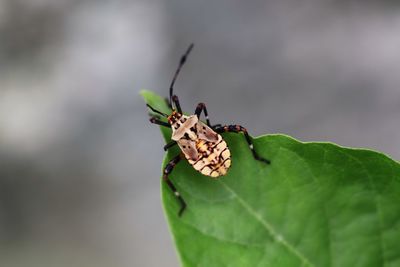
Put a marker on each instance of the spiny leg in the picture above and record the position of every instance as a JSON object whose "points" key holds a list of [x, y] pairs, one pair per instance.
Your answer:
{"points": [[169, 145], [181, 63], [202, 107], [240, 129], [168, 169], [156, 121]]}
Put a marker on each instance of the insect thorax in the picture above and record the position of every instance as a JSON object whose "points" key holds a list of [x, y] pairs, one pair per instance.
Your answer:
{"points": [[182, 127]]}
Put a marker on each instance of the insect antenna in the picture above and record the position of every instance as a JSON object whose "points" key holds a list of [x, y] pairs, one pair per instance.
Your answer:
{"points": [[181, 63], [156, 111]]}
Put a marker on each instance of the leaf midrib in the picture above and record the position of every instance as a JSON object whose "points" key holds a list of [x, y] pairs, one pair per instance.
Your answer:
{"points": [[279, 238]]}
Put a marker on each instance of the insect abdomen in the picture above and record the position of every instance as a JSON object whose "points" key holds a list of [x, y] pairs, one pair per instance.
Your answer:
{"points": [[214, 158]]}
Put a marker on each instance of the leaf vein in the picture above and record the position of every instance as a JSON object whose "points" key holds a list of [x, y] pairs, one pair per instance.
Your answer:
{"points": [[278, 237], [225, 240], [377, 204]]}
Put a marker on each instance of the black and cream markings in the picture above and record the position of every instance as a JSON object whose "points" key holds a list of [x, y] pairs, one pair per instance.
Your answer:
{"points": [[201, 143]]}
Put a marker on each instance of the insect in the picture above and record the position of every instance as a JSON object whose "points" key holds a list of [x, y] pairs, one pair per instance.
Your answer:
{"points": [[201, 144]]}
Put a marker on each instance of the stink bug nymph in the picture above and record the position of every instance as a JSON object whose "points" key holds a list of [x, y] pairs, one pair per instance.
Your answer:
{"points": [[201, 144]]}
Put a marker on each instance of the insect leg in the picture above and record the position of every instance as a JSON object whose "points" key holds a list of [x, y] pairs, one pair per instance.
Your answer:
{"points": [[169, 145], [167, 171], [175, 100], [156, 121], [240, 129], [202, 107], [156, 111], [181, 63]]}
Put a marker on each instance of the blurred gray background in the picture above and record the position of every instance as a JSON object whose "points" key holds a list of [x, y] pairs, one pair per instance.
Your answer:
{"points": [[79, 160]]}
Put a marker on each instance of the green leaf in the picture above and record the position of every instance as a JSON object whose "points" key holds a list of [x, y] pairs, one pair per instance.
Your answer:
{"points": [[317, 204]]}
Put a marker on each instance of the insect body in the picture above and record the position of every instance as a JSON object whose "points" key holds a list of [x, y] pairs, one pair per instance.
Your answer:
{"points": [[201, 144], [204, 149]]}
